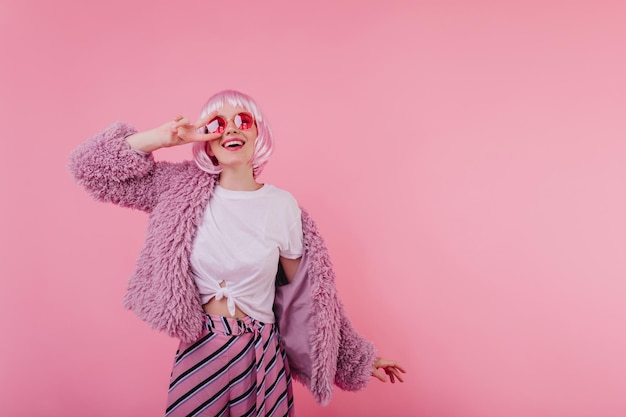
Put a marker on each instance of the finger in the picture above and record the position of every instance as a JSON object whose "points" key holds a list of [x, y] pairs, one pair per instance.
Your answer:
{"points": [[379, 375], [178, 117], [389, 363], [183, 121], [206, 119], [196, 135], [392, 372], [205, 137], [400, 368], [395, 372]]}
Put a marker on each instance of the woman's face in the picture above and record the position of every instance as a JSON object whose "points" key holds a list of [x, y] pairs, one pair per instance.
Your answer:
{"points": [[236, 146]]}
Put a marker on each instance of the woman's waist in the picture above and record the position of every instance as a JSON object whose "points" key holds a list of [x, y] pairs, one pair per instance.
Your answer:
{"points": [[260, 311], [235, 326], [220, 308]]}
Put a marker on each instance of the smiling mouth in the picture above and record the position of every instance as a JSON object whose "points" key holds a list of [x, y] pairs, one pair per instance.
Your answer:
{"points": [[233, 144]]}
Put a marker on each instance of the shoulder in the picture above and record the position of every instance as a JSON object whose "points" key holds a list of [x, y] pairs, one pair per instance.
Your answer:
{"points": [[281, 196]]}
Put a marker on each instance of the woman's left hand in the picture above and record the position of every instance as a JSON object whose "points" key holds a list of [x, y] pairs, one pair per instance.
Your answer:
{"points": [[391, 368]]}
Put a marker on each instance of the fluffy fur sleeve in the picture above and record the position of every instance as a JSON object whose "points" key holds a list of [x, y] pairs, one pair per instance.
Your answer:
{"points": [[355, 358], [112, 172]]}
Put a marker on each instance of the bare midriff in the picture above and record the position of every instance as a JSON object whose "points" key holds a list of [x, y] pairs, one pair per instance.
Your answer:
{"points": [[219, 308]]}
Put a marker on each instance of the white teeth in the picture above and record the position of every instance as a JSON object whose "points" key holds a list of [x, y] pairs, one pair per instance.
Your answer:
{"points": [[234, 143]]}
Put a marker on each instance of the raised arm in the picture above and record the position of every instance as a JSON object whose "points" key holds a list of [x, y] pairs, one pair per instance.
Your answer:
{"points": [[116, 164]]}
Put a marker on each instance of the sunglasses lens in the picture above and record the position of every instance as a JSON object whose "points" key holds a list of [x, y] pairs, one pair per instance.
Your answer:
{"points": [[244, 121], [216, 125]]}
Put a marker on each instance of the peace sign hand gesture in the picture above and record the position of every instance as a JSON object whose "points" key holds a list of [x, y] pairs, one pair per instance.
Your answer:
{"points": [[180, 131]]}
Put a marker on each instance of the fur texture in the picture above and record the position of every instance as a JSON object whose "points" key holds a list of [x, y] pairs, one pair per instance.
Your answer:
{"points": [[161, 290]]}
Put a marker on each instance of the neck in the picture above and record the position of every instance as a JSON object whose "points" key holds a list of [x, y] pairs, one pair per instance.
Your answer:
{"points": [[238, 179]]}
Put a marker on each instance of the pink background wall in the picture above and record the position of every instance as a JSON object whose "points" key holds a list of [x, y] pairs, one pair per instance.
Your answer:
{"points": [[472, 192]]}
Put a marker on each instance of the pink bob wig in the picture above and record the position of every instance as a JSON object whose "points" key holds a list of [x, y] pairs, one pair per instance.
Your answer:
{"points": [[263, 145]]}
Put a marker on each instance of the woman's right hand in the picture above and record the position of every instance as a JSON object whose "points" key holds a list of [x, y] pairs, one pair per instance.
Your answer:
{"points": [[391, 368], [180, 131]]}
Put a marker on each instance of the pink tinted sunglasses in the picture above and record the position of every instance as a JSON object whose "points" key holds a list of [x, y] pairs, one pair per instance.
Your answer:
{"points": [[242, 121]]}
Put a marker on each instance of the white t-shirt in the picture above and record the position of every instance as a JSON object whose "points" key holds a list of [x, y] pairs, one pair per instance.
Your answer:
{"points": [[239, 241]]}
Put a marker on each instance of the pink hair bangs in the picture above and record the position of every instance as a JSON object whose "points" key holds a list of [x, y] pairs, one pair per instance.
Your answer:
{"points": [[263, 146]]}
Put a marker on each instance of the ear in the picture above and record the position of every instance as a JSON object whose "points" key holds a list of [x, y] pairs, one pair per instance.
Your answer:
{"points": [[211, 155]]}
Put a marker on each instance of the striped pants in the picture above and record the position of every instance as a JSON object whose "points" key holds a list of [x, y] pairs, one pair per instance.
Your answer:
{"points": [[236, 368]]}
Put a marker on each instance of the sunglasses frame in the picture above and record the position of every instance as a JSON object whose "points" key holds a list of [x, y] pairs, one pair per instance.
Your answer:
{"points": [[226, 121]]}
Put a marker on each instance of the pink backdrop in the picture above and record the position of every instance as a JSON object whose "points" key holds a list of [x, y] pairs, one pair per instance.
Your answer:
{"points": [[464, 160]]}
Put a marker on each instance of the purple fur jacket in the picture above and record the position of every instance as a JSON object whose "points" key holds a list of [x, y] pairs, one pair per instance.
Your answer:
{"points": [[321, 344]]}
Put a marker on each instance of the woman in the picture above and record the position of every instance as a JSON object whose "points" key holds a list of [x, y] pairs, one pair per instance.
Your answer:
{"points": [[227, 261]]}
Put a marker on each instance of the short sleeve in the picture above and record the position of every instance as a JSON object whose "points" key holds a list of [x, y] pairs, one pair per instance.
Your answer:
{"points": [[292, 246]]}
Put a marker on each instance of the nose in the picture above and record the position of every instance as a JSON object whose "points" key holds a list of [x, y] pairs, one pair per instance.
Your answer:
{"points": [[230, 127]]}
